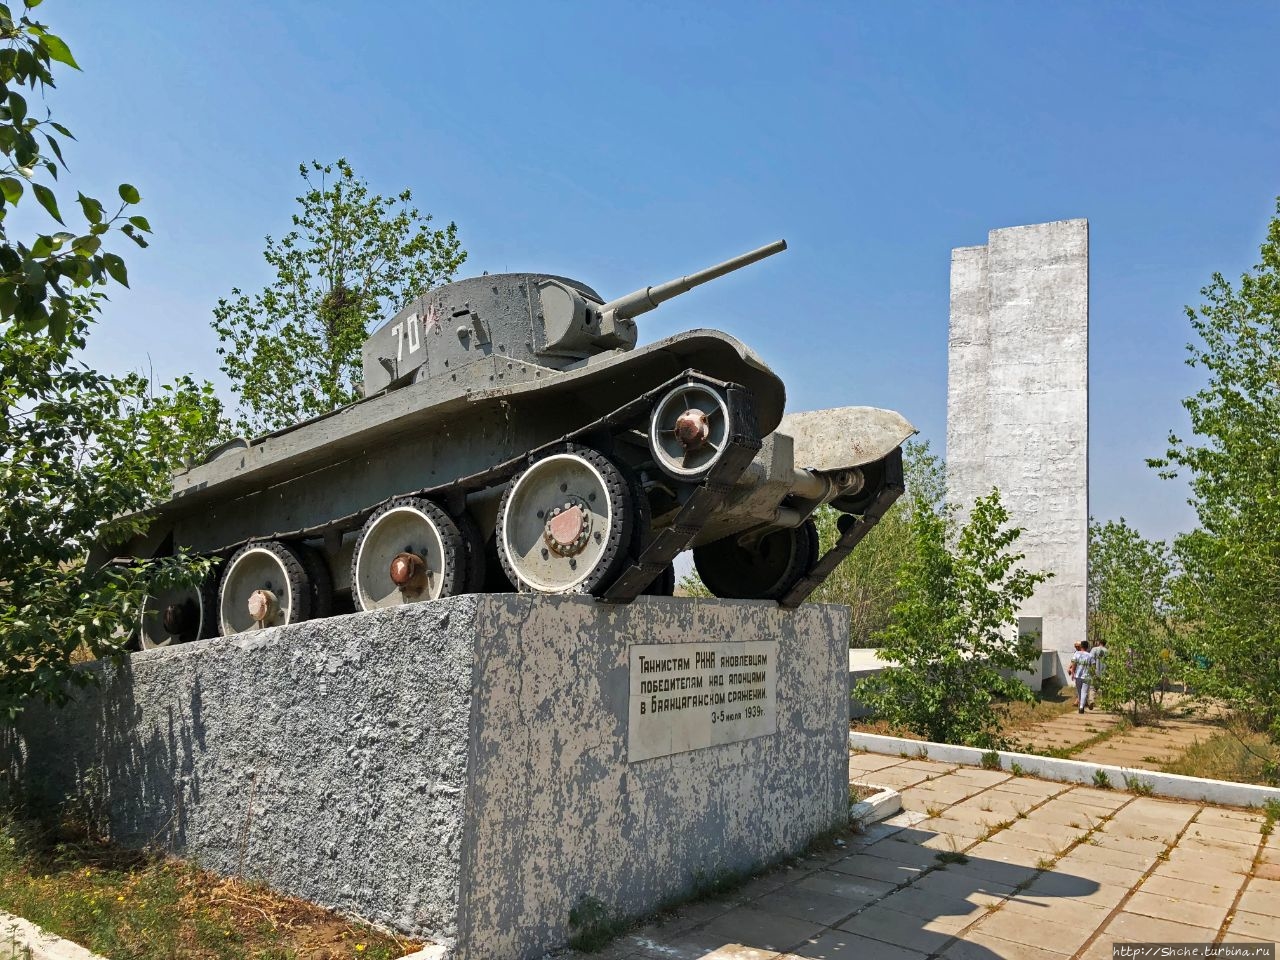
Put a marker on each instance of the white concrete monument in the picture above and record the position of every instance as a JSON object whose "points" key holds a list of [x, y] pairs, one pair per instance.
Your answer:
{"points": [[1018, 406]]}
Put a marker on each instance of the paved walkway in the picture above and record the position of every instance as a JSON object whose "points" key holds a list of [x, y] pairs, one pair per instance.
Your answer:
{"points": [[982, 865], [1148, 747]]}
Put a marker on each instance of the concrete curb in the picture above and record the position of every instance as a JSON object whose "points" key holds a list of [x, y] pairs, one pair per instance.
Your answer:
{"points": [[1171, 785], [23, 940], [877, 807]]}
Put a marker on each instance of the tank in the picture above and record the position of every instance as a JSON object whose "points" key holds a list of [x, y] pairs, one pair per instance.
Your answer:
{"points": [[512, 435]]}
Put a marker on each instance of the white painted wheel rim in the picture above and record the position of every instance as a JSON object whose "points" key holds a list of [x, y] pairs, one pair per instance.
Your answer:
{"points": [[401, 529], [256, 569], [539, 490], [668, 451], [151, 630]]}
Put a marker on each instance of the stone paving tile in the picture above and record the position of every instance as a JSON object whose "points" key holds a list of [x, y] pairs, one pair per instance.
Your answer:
{"points": [[873, 868], [1061, 885], [983, 778], [1044, 933], [896, 851], [978, 946], [753, 926], [1107, 873], [932, 767], [1127, 859], [853, 889], [1092, 797], [1032, 788], [1136, 927], [983, 866], [1198, 873], [955, 828], [1261, 896], [928, 904], [839, 945], [904, 930], [1220, 895], [951, 883], [1206, 915], [821, 908], [1213, 860], [1255, 926], [1066, 910], [872, 761]]}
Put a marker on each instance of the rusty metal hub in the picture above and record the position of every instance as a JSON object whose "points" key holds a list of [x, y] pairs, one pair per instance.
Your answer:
{"points": [[177, 617], [262, 606], [692, 429], [408, 570], [568, 527]]}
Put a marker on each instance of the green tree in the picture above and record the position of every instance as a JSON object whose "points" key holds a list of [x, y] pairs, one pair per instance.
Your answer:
{"points": [[952, 635], [293, 350], [1230, 589], [1130, 598], [80, 452]]}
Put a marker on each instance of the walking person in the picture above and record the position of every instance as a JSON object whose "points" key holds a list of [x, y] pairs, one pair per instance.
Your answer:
{"points": [[1082, 673]]}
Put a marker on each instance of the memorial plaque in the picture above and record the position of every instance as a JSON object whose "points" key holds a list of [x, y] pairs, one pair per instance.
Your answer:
{"points": [[685, 696]]}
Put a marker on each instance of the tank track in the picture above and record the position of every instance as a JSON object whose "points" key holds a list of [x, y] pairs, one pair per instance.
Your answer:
{"points": [[852, 529], [741, 447]]}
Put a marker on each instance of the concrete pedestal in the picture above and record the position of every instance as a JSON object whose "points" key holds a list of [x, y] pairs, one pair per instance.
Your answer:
{"points": [[469, 769]]}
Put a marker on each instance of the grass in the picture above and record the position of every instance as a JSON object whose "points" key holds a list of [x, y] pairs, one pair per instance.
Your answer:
{"points": [[1236, 754], [1015, 716], [945, 857], [1101, 780], [121, 903]]}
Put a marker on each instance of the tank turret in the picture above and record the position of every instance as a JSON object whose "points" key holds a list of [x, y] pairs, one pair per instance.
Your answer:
{"points": [[513, 436], [534, 318]]}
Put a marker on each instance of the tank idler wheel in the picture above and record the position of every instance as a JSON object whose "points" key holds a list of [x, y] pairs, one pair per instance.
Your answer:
{"points": [[474, 546], [317, 567], [179, 615], [758, 567], [566, 523], [266, 585], [689, 431], [409, 550]]}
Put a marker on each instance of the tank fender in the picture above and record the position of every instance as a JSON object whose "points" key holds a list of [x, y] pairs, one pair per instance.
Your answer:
{"points": [[844, 437]]}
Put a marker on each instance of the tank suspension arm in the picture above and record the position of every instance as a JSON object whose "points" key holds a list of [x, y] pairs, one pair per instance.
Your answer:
{"points": [[642, 301]]}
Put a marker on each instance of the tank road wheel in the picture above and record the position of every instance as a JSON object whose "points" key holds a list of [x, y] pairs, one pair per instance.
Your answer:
{"points": [[688, 430], [266, 585], [409, 550], [566, 522], [758, 568], [179, 615]]}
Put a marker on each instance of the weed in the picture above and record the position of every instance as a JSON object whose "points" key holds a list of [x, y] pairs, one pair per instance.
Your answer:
{"points": [[995, 828], [1073, 825], [1163, 854], [1101, 780], [721, 881], [991, 760], [1271, 809], [945, 857], [904, 755], [592, 925], [1138, 786], [922, 753], [1016, 769], [860, 791], [933, 810], [1152, 760], [1045, 863], [1021, 814]]}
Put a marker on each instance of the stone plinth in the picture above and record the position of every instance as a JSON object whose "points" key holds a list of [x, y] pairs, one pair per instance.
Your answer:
{"points": [[1018, 405], [466, 770]]}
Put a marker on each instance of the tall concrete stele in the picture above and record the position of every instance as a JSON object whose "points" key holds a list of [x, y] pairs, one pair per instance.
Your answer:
{"points": [[1018, 406]]}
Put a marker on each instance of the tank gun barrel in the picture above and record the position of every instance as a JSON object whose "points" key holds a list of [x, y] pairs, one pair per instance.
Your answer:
{"points": [[648, 298]]}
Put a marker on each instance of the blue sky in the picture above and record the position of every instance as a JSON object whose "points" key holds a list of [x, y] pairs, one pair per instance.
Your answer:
{"points": [[624, 144]]}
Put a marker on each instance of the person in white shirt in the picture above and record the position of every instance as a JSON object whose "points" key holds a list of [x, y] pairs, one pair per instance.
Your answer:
{"points": [[1081, 672]]}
